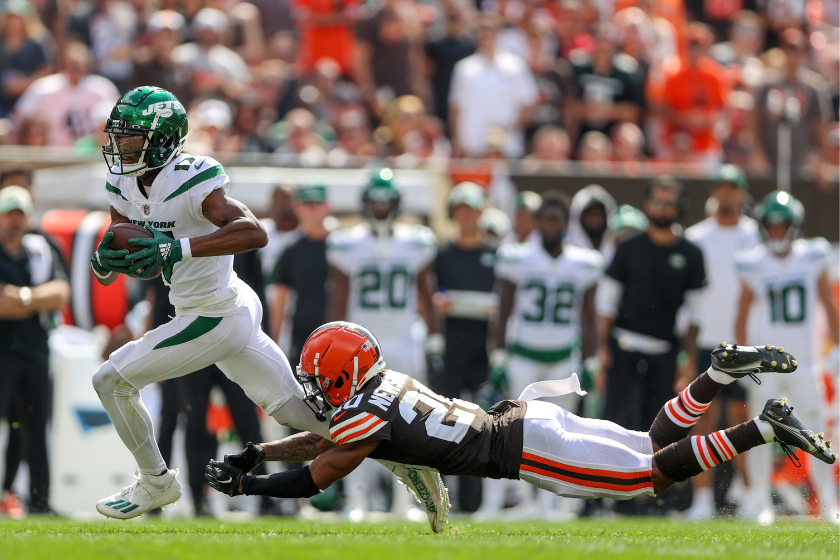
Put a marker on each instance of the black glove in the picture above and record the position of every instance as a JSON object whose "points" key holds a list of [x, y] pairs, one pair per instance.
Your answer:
{"points": [[223, 477], [247, 459]]}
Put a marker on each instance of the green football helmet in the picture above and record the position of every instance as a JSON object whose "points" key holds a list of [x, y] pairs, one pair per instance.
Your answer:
{"points": [[380, 189], [147, 128], [780, 208]]}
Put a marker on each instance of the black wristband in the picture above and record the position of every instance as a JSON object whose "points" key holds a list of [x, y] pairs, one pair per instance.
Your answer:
{"points": [[288, 484]]}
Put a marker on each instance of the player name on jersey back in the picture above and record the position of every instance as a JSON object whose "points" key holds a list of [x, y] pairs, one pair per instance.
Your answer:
{"points": [[416, 426]]}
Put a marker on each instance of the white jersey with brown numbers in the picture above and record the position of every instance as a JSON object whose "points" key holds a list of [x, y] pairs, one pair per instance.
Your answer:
{"points": [[383, 274], [416, 426], [549, 294], [173, 205], [784, 293]]}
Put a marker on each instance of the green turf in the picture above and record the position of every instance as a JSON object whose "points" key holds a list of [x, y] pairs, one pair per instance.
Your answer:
{"points": [[293, 540]]}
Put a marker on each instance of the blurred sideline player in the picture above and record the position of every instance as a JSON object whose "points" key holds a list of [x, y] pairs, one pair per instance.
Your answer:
{"points": [[384, 414], [151, 181], [380, 275], [726, 231], [782, 280], [547, 316]]}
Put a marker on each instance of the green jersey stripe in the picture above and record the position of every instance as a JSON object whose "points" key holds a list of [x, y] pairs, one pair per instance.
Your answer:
{"points": [[205, 175], [111, 188], [544, 356], [199, 327]]}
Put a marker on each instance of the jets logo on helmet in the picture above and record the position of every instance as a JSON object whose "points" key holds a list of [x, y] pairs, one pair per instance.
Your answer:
{"points": [[780, 209], [146, 129], [336, 361]]}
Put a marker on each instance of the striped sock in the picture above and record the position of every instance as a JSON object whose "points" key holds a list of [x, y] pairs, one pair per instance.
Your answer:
{"points": [[689, 457], [678, 416]]}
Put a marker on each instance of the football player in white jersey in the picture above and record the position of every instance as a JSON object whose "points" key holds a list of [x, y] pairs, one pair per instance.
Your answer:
{"points": [[547, 314], [725, 227], [380, 274], [182, 200], [782, 281]]}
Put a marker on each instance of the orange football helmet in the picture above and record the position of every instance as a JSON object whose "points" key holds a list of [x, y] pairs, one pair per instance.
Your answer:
{"points": [[336, 361]]}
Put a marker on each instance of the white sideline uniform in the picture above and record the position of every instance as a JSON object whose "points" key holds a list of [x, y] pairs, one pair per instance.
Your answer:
{"points": [[544, 330], [580, 457], [783, 311], [383, 286], [383, 298]]}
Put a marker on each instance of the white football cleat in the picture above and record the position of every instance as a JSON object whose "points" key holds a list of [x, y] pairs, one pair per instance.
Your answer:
{"points": [[140, 497], [428, 488]]}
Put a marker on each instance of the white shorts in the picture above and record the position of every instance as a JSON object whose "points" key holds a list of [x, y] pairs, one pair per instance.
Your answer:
{"points": [[582, 457], [234, 343]]}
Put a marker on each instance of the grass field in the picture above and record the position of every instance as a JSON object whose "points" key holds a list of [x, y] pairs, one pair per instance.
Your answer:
{"points": [[293, 540]]}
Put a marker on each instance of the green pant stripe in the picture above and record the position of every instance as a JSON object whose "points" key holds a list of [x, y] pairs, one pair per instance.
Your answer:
{"points": [[199, 327], [544, 356]]}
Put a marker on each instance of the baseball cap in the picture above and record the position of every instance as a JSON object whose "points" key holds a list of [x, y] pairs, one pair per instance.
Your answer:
{"points": [[731, 174], [311, 193], [467, 193], [166, 19], [15, 198]]}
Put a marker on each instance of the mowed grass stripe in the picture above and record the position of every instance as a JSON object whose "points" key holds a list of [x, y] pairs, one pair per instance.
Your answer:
{"points": [[641, 539]]}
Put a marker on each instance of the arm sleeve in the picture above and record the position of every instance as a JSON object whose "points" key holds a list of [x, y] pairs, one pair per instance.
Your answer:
{"points": [[697, 280], [282, 271], [427, 247], [211, 176], [115, 196], [508, 265], [616, 269], [693, 305], [608, 297], [348, 426], [340, 253], [288, 484], [59, 272]]}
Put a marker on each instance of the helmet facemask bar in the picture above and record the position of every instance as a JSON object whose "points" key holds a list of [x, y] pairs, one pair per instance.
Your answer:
{"points": [[314, 393], [154, 141], [783, 245]]}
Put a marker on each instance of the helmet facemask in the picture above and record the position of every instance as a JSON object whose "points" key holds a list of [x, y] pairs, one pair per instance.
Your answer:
{"points": [[132, 150], [783, 245]]}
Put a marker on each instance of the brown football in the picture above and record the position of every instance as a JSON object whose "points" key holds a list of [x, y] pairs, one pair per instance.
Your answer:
{"points": [[124, 232]]}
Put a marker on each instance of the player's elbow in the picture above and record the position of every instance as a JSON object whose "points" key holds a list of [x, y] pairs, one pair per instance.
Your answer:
{"points": [[258, 236]]}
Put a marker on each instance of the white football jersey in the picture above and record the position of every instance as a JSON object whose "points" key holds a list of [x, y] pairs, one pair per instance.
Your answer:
{"points": [[202, 285], [383, 274], [785, 293], [719, 305], [549, 293]]}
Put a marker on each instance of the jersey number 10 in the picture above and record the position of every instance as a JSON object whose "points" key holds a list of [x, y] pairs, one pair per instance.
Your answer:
{"points": [[787, 304]]}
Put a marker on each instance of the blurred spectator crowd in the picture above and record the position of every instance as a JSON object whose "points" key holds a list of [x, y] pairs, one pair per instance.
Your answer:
{"points": [[321, 83]]}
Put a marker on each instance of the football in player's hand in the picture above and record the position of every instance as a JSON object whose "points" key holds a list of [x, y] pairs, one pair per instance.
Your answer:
{"points": [[124, 232]]}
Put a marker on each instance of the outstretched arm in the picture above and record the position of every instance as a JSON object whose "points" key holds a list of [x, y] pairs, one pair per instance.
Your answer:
{"points": [[304, 446], [340, 461], [333, 465]]}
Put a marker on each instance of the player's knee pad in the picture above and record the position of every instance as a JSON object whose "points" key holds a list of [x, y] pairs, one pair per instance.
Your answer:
{"points": [[107, 381]]}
